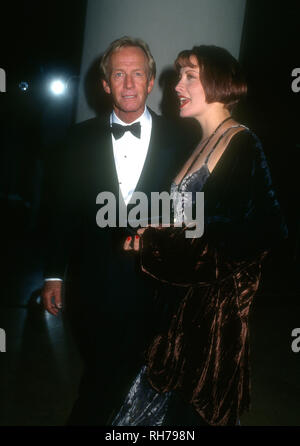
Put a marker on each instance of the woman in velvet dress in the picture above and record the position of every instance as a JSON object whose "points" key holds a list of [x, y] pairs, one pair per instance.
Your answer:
{"points": [[197, 366]]}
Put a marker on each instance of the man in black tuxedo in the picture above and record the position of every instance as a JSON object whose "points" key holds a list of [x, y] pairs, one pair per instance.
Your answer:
{"points": [[109, 303]]}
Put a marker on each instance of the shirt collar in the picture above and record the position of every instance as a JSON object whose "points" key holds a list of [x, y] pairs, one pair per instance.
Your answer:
{"points": [[145, 119]]}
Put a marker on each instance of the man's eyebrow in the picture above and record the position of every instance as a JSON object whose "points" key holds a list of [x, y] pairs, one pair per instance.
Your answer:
{"points": [[136, 69]]}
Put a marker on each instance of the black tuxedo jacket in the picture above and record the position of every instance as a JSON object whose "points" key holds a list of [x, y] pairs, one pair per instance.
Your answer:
{"points": [[103, 284], [110, 305]]}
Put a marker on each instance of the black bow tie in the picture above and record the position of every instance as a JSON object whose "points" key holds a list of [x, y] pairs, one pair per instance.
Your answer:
{"points": [[118, 130]]}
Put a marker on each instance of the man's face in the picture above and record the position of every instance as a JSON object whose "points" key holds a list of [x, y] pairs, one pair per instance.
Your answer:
{"points": [[128, 82]]}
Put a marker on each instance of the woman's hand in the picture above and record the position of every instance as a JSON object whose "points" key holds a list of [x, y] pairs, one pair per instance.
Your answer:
{"points": [[133, 243]]}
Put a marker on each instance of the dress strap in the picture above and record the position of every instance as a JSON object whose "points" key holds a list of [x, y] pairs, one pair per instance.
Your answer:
{"points": [[221, 136], [205, 145]]}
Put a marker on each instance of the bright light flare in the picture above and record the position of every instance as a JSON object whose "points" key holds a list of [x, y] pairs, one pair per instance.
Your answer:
{"points": [[23, 86], [57, 87]]}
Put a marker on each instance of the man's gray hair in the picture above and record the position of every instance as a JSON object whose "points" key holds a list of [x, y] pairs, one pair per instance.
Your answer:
{"points": [[126, 41]]}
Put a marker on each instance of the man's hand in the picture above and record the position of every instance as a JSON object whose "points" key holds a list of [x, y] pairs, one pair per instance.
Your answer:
{"points": [[51, 295]]}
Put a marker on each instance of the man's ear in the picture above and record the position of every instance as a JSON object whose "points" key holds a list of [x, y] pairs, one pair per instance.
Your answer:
{"points": [[106, 87], [150, 85]]}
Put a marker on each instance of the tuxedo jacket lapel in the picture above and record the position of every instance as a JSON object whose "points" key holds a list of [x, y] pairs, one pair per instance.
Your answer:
{"points": [[154, 174]]}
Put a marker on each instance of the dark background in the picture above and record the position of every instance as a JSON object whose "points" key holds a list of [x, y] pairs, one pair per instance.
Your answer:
{"points": [[269, 52], [41, 40]]}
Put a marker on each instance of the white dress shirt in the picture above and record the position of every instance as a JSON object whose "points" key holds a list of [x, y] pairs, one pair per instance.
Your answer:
{"points": [[130, 153]]}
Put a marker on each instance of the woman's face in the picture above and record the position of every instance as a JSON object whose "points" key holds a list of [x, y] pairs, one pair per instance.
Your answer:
{"points": [[190, 91]]}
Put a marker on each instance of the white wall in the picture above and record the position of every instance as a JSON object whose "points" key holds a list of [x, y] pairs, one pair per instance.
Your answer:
{"points": [[168, 26]]}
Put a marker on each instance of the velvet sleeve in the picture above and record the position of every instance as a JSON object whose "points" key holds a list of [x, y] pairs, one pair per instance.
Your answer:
{"points": [[242, 213], [167, 255], [242, 222]]}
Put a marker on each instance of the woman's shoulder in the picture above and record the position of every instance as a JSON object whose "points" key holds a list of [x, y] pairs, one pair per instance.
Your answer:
{"points": [[243, 156], [246, 138], [245, 145]]}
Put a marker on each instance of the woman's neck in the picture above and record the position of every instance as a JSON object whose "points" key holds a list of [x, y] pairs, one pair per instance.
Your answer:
{"points": [[212, 119]]}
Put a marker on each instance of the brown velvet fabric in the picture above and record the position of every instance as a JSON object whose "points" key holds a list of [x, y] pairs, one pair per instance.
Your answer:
{"points": [[204, 351]]}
